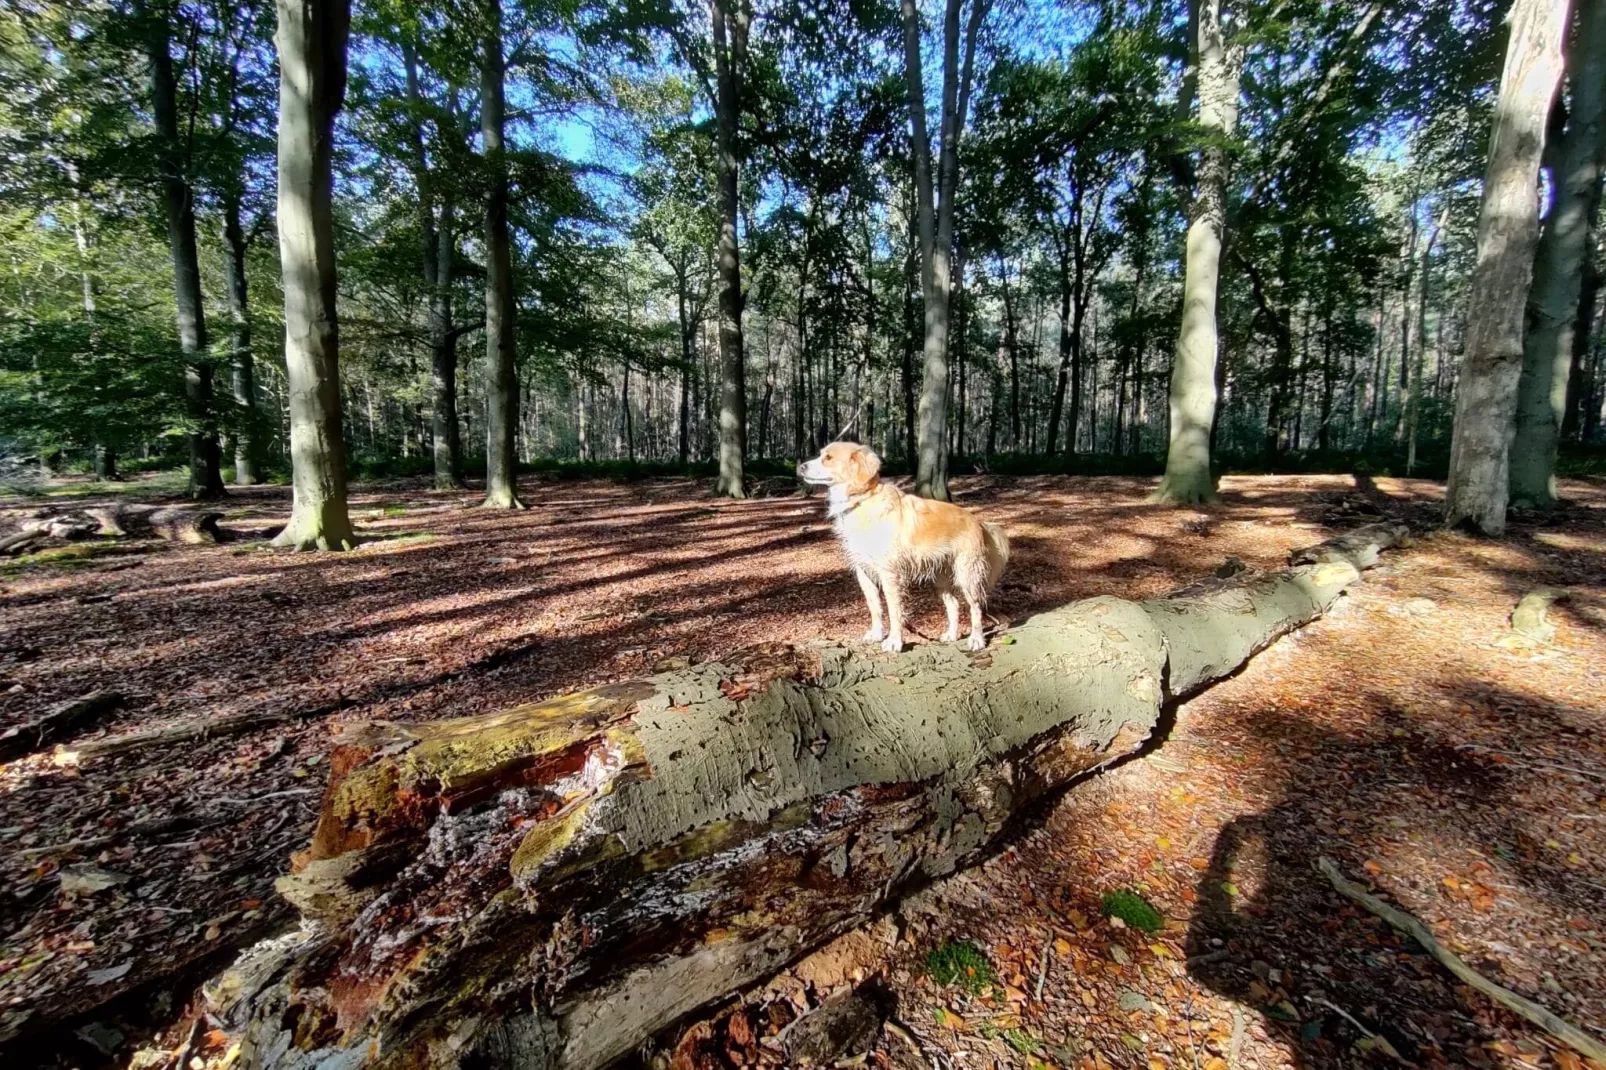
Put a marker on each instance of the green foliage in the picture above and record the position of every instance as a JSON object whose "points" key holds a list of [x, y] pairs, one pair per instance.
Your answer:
{"points": [[1133, 909], [960, 963]]}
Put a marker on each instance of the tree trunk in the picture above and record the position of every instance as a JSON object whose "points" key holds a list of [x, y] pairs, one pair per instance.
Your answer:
{"points": [[547, 886], [178, 198], [1558, 269], [1188, 476], [684, 319], [1508, 229], [311, 40], [935, 219], [1581, 387], [1413, 404], [242, 365], [730, 25], [501, 368]]}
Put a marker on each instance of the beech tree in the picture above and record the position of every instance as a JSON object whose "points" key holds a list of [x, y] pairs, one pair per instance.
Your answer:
{"points": [[311, 39], [1559, 261], [1508, 230]]}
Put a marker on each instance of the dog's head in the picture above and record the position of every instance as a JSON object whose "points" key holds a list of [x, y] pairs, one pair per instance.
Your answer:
{"points": [[846, 464]]}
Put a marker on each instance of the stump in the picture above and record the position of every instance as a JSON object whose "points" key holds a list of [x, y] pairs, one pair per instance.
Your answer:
{"points": [[548, 886]]}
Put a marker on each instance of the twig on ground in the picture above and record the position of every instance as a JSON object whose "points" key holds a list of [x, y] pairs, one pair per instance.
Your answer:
{"points": [[1187, 1022], [1042, 970], [1563, 1031], [1235, 1046]]}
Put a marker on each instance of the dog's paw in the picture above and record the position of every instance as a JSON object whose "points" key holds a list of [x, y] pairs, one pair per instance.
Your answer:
{"points": [[892, 644], [950, 636], [874, 635], [976, 642]]}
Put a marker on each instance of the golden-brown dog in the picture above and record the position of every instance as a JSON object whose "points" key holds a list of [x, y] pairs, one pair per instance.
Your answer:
{"points": [[891, 537]]}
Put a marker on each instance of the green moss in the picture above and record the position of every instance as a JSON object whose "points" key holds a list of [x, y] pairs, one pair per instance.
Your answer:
{"points": [[1133, 909], [962, 963], [1021, 1041], [73, 555]]}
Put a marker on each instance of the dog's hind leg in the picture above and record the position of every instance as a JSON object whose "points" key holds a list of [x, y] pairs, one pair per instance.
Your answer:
{"points": [[972, 582], [872, 598], [950, 602]]}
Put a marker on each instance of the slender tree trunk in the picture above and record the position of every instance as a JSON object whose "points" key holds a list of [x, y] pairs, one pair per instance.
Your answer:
{"points": [[1011, 342], [1508, 230], [910, 445], [1188, 475], [502, 377], [311, 40], [1558, 272], [206, 478], [683, 318], [1056, 412], [1413, 406], [730, 25], [935, 218], [242, 366], [1581, 385]]}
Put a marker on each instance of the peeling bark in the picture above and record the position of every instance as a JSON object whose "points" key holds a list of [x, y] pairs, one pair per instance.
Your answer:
{"points": [[547, 886]]}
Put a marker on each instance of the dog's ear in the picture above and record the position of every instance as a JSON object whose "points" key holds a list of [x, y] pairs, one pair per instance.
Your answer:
{"points": [[863, 467]]}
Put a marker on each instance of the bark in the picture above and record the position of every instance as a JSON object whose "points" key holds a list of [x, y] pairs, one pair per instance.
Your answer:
{"points": [[1581, 387], [547, 886], [311, 41], [178, 201], [195, 527], [1559, 269], [242, 367], [502, 377], [1508, 229], [1188, 476], [730, 21]]}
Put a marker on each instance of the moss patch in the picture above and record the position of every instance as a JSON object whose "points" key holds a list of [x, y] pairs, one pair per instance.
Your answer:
{"points": [[961, 963], [1133, 909]]}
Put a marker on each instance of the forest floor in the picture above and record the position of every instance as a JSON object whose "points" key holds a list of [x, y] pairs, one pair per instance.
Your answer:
{"points": [[1410, 735]]}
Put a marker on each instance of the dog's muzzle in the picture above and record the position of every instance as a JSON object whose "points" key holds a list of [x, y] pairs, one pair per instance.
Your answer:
{"points": [[813, 472]]}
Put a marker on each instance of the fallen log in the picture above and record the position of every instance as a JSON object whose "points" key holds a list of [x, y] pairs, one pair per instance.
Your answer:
{"points": [[548, 886], [58, 724], [171, 522]]}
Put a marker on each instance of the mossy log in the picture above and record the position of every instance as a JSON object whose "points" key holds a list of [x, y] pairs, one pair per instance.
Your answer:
{"points": [[548, 886]]}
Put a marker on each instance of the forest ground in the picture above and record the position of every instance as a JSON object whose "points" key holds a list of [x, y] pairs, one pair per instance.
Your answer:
{"points": [[1410, 735]]}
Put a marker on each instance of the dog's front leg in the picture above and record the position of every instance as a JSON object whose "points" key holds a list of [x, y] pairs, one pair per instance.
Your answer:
{"points": [[890, 586], [872, 598]]}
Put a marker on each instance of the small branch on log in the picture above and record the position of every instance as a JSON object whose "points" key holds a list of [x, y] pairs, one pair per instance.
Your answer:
{"points": [[41, 732], [1562, 1030], [1532, 615], [20, 541]]}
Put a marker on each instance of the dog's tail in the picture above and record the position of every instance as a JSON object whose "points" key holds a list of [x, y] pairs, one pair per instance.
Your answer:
{"points": [[997, 550]]}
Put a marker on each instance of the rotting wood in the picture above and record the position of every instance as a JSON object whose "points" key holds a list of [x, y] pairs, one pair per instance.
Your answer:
{"points": [[1408, 924], [547, 886], [1531, 617], [41, 732]]}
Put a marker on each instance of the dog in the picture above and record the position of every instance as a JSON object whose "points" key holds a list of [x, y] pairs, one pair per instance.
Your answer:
{"points": [[892, 538]]}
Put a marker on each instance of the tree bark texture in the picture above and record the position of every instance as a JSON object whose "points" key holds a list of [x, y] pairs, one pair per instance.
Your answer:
{"points": [[1547, 350], [502, 377], [311, 41], [1508, 229], [1188, 476], [730, 24], [178, 201], [547, 886]]}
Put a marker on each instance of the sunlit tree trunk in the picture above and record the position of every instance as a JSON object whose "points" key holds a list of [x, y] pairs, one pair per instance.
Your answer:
{"points": [[1413, 407], [501, 370], [1188, 475], [1508, 230], [311, 40], [730, 24], [1559, 268], [178, 198], [935, 223]]}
